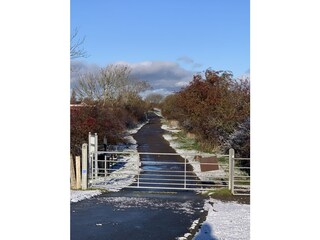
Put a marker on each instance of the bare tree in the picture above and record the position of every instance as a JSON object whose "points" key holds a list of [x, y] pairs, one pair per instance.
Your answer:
{"points": [[73, 97], [76, 43], [113, 80], [87, 87], [112, 83], [154, 98]]}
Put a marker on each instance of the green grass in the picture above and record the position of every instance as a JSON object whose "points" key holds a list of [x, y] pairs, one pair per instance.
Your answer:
{"points": [[219, 192], [190, 143], [185, 142], [223, 160]]}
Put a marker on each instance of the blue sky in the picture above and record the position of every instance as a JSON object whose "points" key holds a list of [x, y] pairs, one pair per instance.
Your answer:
{"points": [[187, 36]]}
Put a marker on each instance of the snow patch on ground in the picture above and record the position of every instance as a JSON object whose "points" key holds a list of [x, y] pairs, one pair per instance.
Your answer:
{"points": [[135, 130], [225, 220], [170, 129], [189, 155], [222, 173], [125, 175], [122, 203], [131, 140], [184, 237], [78, 195], [157, 111], [120, 178]]}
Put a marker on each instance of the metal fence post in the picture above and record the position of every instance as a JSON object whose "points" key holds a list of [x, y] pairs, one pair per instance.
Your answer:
{"points": [[185, 173], [84, 183], [96, 155], [139, 165], [89, 156], [105, 168], [91, 168], [231, 168]]}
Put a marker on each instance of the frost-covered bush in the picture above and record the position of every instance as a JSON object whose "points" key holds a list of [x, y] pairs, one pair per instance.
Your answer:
{"points": [[212, 107], [239, 140]]}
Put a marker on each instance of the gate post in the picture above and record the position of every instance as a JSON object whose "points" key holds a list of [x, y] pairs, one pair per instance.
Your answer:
{"points": [[96, 155], [139, 165], [231, 168], [185, 173], [78, 173], [72, 173], [84, 183]]}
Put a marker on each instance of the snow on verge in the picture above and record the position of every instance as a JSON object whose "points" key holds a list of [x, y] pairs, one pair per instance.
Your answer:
{"points": [[120, 178], [225, 220], [204, 176], [78, 195], [157, 111], [124, 176], [135, 130]]}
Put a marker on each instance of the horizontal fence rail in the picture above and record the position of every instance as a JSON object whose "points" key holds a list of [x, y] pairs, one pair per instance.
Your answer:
{"points": [[161, 172], [171, 171], [241, 176]]}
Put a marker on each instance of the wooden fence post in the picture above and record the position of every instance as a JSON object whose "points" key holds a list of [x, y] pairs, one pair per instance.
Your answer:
{"points": [[78, 172], [72, 174]]}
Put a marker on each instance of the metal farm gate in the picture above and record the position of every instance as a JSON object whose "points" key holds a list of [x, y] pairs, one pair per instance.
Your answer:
{"points": [[149, 170], [168, 171]]}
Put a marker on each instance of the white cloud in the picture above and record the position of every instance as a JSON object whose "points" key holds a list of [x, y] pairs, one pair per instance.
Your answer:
{"points": [[181, 84], [161, 91], [161, 75], [164, 77], [81, 67]]}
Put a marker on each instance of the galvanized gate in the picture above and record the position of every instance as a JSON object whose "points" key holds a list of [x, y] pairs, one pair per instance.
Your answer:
{"points": [[157, 171], [239, 172], [115, 170]]}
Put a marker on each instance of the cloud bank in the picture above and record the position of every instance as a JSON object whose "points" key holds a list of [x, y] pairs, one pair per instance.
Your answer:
{"points": [[169, 76], [164, 77], [79, 68]]}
